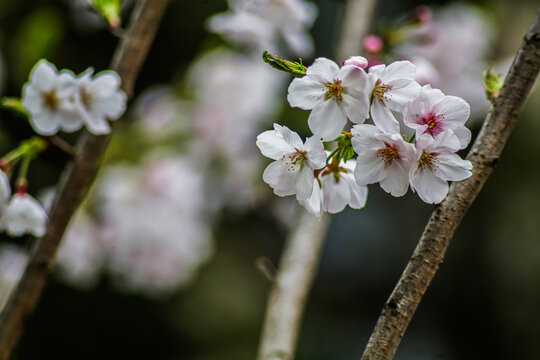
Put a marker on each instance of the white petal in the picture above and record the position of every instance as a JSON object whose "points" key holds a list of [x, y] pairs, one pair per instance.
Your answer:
{"points": [[445, 141], [353, 77], [455, 110], [314, 203], [398, 73], [430, 188], [336, 194], [43, 75], [327, 120], [323, 70], [305, 93], [464, 136], [364, 138], [356, 108], [383, 117], [5, 188], [273, 145], [451, 167], [396, 179], [46, 123], [400, 97], [369, 168], [315, 152], [97, 125], [304, 183], [291, 137], [104, 83], [358, 193], [279, 179], [112, 106]]}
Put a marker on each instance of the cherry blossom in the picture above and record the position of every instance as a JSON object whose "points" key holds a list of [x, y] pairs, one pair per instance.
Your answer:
{"points": [[100, 98], [292, 172], [391, 88], [50, 99], [23, 215], [433, 112], [358, 61], [333, 95], [382, 157], [334, 189], [436, 163]]}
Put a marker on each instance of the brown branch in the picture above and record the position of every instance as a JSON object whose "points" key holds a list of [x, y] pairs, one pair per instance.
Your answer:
{"points": [[303, 248], [428, 255], [77, 179]]}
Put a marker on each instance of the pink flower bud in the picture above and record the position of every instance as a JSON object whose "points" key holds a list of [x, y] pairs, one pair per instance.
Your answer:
{"points": [[423, 14], [373, 43], [358, 61]]}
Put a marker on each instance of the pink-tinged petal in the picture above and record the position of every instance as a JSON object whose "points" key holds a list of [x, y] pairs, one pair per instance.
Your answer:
{"points": [[400, 97], [45, 123], [356, 108], [43, 75], [323, 70], [273, 145], [369, 168], [455, 110], [451, 167], [376, 71], [396, 179], [336, 194], [279, 179], [313, 204], [358, 194], [464, 136], [383, 117], [398, 73], [430, 188], [433, 96], [305, 93], [304, 183], [327, 120], [289, 136], [358, 61], [364, 138], [423, 141], [353, 77]]}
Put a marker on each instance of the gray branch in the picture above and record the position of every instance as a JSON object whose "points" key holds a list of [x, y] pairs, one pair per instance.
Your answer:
{"points": [[428, 255]]}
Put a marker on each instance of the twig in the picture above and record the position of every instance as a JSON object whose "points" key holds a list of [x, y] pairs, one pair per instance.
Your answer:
{"points": [[356, 19], [428, 255], [287, 299], [61, 144], [77, 179], [303, 248]]}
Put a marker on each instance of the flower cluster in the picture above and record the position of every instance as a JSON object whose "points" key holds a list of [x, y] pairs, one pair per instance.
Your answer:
{"points": [[63, 101], [391, 97]]}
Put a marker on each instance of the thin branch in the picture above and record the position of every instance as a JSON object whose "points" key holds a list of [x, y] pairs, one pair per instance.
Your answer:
{"points": [[77, 179], [303, 248], [428, 255], [288, 297], [356, 19]]}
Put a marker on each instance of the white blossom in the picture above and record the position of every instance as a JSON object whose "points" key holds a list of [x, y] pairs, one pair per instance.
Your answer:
{"points": [[382, 157], [391, 88], [436, 163], [292, 172], [23, 215], [432, 112], [13, 260], [333, 95], [5, 188], [50, 99], [100, 99], [334, 189]]}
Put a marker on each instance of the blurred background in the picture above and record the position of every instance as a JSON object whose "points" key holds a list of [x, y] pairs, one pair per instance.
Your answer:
{"points": [[160, 262]]}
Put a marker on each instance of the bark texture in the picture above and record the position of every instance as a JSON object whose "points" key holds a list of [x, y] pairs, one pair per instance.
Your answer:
{"points": [[428, 255], [77, 178]]}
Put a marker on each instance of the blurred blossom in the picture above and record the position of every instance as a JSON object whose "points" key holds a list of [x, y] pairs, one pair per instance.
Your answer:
{"points": [[13, 261], [159, 113], [455, 42], [260, 24], [154, 224], [229, 110]]}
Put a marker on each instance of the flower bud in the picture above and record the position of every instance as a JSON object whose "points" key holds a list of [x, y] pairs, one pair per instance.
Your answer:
{"points": [[373, 43], [358, 61]]}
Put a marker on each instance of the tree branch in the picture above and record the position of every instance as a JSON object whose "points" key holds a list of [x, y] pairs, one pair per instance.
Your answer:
{"points": [[428, 255], [77, 178], [303, 248], [356, 19]]}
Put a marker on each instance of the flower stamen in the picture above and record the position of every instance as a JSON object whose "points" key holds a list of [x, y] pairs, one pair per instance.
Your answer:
{"points": [[388, 153], [334, 91], [294, 160], [380, 91], [427, 160], [50, 100], [433, 121]]}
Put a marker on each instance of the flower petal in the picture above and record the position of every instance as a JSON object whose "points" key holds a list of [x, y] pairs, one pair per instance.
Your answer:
{"points": [[383, 117], [279, 179], [304, 183], [455, 110], [323, 70], [273, 145], [430, 188], [305, 93], [336, 194], [327, 120], [453, 168], [396, 178], [400, 97], [369, 168]]}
